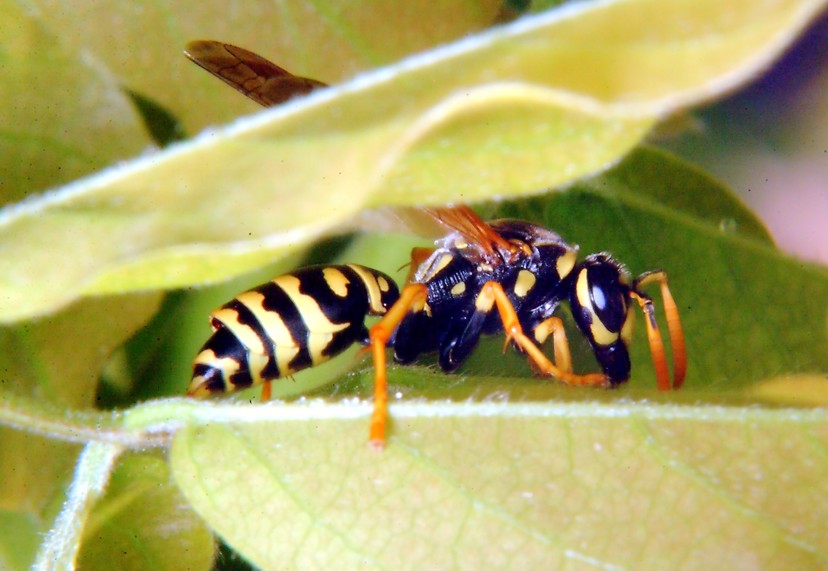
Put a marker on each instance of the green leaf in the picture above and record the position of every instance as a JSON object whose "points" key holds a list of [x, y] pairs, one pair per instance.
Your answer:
{"points": [[516, 486], [144, 523], [55, 361], [58, 106], [515, 472], [541, 98], [20, 541]]}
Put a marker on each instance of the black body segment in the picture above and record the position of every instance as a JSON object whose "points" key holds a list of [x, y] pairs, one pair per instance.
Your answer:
{"points": [[533, 275]]}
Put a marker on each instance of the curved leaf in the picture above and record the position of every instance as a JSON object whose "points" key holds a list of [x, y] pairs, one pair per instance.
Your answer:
{"points": [[325, 39], [516, 486], [57, 108], [509, 111]]}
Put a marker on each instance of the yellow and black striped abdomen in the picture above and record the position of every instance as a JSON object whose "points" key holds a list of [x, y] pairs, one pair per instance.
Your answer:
{"points": [[295, 321]]}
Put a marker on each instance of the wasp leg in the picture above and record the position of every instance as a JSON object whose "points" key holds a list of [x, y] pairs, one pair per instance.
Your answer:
{"points": [[412, 298], [491, 295], [653, 334], [267, 390], [554, 326]]}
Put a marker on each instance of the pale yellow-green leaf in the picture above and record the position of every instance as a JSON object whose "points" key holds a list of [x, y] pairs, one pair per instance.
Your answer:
{"points": [[329, 40], [55, 361], [516, 486], [20, 541], [62, 115], [522, 107], [793, 390], [143, 522]]}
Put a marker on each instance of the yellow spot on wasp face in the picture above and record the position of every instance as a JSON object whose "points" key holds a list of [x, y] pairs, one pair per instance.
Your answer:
{"points": [[566, 262], [597, 329], [337, 281], [459, 288], [525, 282]]}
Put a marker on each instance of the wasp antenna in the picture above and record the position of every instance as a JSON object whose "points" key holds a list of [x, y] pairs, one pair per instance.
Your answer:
{"points": [[656, 344]]}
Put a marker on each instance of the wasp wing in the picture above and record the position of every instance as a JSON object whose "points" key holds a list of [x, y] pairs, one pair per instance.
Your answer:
{"points": [[260, 79], [473, 228]]}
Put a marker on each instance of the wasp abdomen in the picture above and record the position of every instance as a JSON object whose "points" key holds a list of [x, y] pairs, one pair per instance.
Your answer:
{"points": [[295, 321]]}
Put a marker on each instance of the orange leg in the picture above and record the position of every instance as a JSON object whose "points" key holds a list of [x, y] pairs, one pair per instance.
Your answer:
{"points": [[412, 298], [656, 344], [492, 294], [554, 326], [267, 390], [673, 327]]}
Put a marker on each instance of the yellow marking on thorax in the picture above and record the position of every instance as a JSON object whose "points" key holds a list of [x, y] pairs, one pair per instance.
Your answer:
{"points": [[599, 331], [337, 281], [427, 309], [525, 282], [374, 289], [566, 262], [433, 266], [458, 289]]}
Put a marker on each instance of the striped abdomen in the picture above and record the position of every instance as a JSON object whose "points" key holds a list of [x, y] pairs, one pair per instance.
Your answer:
{"points": [[295, 321]]}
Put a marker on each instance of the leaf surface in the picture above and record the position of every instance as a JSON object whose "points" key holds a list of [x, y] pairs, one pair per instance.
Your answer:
{"points": [[517, 486], [426, 130], [143, 523], [515, 472]]}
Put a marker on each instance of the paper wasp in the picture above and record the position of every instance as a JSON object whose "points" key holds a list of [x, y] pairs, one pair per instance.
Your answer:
{"points": [[481, 278]]}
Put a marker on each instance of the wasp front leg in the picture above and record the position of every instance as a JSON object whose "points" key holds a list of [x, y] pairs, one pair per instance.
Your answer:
{"points": [[492, 295]]}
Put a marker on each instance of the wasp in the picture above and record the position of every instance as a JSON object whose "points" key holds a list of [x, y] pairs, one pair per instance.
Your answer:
{"points": [[481, 278]]}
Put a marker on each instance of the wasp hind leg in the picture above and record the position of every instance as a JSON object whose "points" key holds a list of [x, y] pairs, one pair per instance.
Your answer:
{"points": [[412, 298], [492, 295], [267, 391]]}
